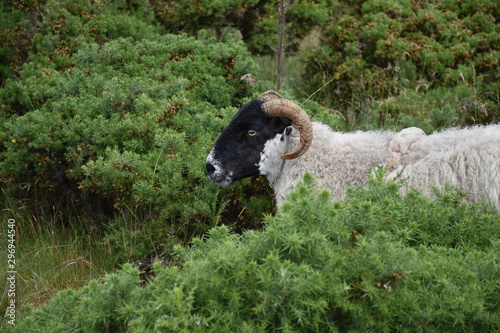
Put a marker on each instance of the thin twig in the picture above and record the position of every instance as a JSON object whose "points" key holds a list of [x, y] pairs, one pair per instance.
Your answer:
{"points": [[281, 45]]}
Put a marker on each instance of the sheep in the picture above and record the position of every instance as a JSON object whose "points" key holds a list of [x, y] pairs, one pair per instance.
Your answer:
{"points": [[258, 140]]}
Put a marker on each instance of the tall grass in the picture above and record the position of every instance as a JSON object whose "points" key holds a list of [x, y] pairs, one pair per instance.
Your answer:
{"points": [[55, 249]]}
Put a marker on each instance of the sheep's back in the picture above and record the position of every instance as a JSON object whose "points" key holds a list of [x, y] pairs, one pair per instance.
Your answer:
{"points": [[468, 159]]}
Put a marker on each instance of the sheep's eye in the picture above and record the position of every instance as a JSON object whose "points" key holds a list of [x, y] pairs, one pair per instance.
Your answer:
{"points": [[252, 132]]}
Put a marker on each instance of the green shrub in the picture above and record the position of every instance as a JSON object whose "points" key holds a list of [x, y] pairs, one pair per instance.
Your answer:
{"points": [[49, 32], [112, 117], [126, 127], [255, 20], [378, 261], [12, 23], [436, 64]]}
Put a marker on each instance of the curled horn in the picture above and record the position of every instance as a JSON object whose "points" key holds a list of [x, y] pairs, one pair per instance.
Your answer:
{"points": [[276, 106]]}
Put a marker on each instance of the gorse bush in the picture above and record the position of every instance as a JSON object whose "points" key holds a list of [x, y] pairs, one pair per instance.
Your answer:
{"points": [[113, 117], [109, 119], [48, 32], [420, 63], [108, 111], [371, 263], [255, 20], [131, 124]]}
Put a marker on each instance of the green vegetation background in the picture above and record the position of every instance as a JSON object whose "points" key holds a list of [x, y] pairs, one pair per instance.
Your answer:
{"points": [[108, 110]]}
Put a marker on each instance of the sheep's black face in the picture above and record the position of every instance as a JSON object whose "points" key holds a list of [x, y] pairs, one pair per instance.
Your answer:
{"points": [[237, 152]]}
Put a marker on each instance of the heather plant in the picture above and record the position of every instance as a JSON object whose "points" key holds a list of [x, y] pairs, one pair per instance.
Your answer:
{"points": [[400, 63], [374, 262]]}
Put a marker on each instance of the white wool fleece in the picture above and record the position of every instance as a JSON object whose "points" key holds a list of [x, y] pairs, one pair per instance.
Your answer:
{"points": [[468, 159]]}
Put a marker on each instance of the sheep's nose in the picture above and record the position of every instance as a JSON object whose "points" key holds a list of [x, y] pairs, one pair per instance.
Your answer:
{"points": [[210, 168]]}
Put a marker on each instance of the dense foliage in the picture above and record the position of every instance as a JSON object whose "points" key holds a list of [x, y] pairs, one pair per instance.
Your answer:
{"points": [[402, 63], [111, 116], [49, 32], [109, 108], [376, 262], [119, 125], [255, 20], [122, 125], [57, 27]]}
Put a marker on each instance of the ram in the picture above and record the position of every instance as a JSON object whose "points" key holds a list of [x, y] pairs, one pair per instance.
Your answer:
{"points": [[273, 136]]}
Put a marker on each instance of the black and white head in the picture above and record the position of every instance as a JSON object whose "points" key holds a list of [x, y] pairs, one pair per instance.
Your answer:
{"points": [[257, 130]]}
